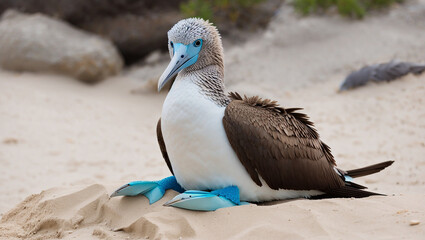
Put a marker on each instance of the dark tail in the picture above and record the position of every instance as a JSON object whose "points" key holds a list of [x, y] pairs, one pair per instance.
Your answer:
{"points": [[352, 189], [346, 192], [360, 172]]}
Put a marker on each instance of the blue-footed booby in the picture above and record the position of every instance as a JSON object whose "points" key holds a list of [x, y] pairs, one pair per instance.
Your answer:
{"points": [[224, 149]]}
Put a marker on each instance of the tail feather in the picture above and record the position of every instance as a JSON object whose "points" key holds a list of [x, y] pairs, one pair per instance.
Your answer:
{"points": [[360, 172], [351, 189], [354, 185], [346, 192]]}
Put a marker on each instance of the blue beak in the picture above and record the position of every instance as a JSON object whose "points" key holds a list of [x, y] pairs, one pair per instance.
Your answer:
{"points": [[184, 56]]}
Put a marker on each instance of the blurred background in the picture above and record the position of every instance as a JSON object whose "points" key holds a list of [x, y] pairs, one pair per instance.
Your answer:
{"points": [[78, 101], [136, 28]]}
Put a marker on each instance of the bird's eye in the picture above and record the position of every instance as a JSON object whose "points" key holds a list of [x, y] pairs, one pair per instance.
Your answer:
{"points": [[197, 43], [171, 44]]}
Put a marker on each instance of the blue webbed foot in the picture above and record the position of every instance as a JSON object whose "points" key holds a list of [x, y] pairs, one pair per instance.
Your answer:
{"points": [[153, 190], [207, 201]]}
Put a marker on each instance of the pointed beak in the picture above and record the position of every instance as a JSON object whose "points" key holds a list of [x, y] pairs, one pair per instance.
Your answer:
{"points": [[183, 57], [175, 65]]}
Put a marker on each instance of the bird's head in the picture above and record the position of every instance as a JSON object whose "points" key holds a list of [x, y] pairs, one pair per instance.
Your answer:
{"points": [[193, 44]]}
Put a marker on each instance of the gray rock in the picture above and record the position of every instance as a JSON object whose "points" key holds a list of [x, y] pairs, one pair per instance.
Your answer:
{"points": [[138, 27], [135, 27], [38, 43], [380, 72]]}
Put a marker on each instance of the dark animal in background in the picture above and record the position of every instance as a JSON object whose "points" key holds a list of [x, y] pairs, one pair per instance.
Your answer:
{"points": [[380, 72]]}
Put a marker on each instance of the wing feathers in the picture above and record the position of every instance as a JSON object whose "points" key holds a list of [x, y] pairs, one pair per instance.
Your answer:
{"points": [[280, 145], [162, 146], [283, 147]]}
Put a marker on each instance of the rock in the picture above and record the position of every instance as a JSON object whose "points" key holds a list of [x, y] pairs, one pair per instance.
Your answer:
{"points": [[414, 222], [384, 72], [140, 27], [134, 36], [135, 27], [35, 42]]}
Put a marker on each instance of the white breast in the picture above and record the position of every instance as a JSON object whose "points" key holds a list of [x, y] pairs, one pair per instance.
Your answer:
{"points": [[198, 148]]}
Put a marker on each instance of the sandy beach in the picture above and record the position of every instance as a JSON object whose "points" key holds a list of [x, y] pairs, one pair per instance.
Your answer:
{"points": [[65, 146]]}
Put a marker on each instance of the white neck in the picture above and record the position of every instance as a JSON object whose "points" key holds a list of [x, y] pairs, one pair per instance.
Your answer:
{"points": [[210, 82]]}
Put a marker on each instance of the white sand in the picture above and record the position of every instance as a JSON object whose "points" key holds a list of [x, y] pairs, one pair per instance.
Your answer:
{"points": [[84, 141]]}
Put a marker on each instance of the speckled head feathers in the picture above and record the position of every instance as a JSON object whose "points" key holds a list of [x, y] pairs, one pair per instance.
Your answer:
{"points": [[188, 30]]}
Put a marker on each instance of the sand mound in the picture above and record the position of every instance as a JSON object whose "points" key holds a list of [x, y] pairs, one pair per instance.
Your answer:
{"points": [[85, 212]]}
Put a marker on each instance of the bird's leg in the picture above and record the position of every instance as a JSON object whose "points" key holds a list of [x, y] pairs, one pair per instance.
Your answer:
{"points": [[207, 201], [153, 190]]}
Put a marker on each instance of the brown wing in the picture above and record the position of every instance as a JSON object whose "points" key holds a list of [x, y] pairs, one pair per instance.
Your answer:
{"points": [[162, 145], [280, 145]]}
